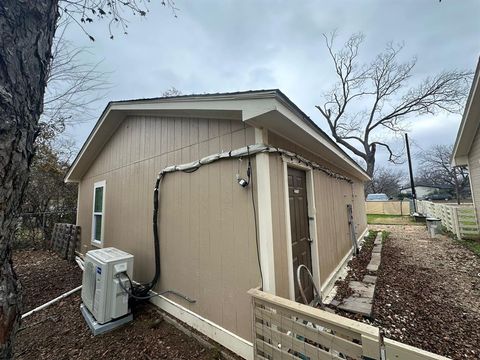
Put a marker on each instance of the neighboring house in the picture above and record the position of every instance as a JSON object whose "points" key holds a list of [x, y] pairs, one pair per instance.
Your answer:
{"points": [[377, 197], [423, 190], [305, 190], [466, 151]]}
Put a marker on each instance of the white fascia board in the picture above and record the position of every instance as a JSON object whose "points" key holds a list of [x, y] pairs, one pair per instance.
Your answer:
{"points": [[469, 124], [99, 123], [249, 108], [288, 113], [459, 161]]}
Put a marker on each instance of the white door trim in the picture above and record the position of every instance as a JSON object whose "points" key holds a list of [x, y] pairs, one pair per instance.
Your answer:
{"points": [[312, 224]]}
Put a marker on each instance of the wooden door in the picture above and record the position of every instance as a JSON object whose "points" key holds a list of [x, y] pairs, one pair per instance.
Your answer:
{"points": [[301, 250]]}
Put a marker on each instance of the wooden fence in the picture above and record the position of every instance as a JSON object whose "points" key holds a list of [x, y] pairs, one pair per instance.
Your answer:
{"points": [[459, 219], [284, 329], [388, 207], [65, 240]]}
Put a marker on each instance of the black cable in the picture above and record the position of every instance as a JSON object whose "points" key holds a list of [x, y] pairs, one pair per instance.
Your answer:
{"points": [[140, 291], [130, 293], [250, 181]]}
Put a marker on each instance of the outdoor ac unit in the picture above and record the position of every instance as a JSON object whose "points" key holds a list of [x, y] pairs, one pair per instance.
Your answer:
{"points": [[102, 294]]}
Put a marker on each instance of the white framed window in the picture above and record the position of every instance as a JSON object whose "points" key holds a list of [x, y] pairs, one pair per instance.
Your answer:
{"points": [[98, 219]]}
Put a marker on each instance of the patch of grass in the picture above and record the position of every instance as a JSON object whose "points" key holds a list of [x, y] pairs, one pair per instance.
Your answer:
{"points": [[381, 219], [371, 237], [385, 216], [385, 235], [473, 245]]}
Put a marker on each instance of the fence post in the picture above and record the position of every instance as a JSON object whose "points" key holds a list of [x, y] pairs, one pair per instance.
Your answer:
{"points": [[456, 223], [254, 331]]}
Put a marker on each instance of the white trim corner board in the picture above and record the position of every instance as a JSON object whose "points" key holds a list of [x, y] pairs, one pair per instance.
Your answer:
{"points": [[265, 222], [224, 337]]}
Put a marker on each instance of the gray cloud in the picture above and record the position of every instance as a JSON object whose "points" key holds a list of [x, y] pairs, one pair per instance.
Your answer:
{"points": [[237, 45]]}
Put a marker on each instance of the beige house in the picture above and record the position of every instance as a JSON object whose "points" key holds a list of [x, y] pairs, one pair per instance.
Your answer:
{"points": [[304, 203], [466, 150]]}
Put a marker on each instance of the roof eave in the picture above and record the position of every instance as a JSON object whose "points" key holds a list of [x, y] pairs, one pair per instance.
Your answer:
{"points": [[469, 124], [216, 102]]}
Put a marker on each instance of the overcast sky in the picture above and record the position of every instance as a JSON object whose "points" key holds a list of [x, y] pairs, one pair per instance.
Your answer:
{"points": [[218, 46]]}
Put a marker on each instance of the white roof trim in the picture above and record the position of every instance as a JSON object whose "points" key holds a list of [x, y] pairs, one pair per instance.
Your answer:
{"points": [[469, 125], [250, 105], [287, 112]]}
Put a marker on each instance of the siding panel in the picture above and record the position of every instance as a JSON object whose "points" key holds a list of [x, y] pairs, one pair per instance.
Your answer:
{"points": [[208, 248]]}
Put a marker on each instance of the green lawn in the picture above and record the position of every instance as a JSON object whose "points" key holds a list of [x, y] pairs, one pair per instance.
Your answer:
{"points": [[473, 245], [375, 219]]}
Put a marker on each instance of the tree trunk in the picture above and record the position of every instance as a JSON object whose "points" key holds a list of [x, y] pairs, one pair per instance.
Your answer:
{"points": [[26, 33], [370, 160]]}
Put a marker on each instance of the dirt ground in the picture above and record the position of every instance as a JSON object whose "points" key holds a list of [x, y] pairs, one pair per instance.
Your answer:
{"points": [[428, 292], [60, 332]]}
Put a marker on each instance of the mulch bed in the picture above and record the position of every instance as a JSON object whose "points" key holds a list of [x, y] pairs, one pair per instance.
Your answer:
{"points": [[357, 268], [60, 332], [428, 293], [44, 276]]}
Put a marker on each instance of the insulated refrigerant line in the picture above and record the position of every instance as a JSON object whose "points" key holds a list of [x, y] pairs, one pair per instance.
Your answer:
{"points": [[248, 151], [142, 290]]}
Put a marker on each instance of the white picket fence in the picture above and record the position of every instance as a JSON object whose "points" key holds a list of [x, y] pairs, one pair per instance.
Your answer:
{"points": [[459, 219]]}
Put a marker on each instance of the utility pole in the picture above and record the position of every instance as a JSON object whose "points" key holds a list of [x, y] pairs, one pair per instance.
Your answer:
{"points": [[412, 183]]}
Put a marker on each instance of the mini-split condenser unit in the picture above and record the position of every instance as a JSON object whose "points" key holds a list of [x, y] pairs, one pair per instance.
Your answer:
{"points": [[102, 293]]}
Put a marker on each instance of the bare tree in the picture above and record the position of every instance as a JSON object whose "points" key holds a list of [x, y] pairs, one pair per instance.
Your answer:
{"points": [[385, 181], [173, 91], [27, 30], [371, 100], [435, 169], [73, 86]]}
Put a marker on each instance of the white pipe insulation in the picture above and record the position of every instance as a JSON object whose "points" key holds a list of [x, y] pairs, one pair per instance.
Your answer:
{"points": [[51, 302], [248, 151], [58, 298]]}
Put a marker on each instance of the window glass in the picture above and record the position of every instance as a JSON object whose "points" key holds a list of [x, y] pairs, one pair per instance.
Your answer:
{"points": [[97, 213], [98, 228], [98, 199]]}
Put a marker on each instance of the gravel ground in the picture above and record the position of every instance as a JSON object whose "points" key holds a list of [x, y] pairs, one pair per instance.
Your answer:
{"points": [[428, 293], [60, 332]]}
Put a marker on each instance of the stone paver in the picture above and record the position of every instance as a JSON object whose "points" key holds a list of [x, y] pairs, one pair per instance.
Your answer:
{"points": [[369, 279], [357, 305], [374, 262], [362, 299]]}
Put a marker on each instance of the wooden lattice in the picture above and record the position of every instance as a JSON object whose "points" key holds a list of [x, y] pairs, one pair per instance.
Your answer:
{"points": [[65, 240]]}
